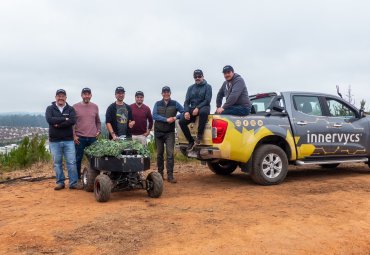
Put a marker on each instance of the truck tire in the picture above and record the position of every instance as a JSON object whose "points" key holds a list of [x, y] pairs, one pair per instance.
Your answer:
{"points": [[102, 188], [154, 183], [88, 178], [222, 167], [330, 165], [270, 165]]}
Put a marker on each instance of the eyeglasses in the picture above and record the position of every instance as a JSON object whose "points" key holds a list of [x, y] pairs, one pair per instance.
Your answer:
{"points": [[197, 76]]}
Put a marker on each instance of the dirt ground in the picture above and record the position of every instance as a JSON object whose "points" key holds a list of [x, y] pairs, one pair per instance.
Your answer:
{"points": [[315, 211]]}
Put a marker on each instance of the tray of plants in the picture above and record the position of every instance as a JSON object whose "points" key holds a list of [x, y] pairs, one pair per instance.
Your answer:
{"points": [[119, 165]]}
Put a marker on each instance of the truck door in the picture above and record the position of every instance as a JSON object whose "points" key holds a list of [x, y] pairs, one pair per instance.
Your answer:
{"points": [[347, 129], [310, 126]]}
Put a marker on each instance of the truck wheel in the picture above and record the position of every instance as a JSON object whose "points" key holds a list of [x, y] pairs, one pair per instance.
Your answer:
{"points": [[88, 178], [102, 188], [222, 167], [154, 183], [270, 165], [329, 165]]}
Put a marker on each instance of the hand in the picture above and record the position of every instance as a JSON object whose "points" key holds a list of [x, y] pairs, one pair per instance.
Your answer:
{"points": [[114, 137], [187, 116], [76, 139], [195, 111], [220, 110], [171, 119], [97, 134], [131, 123], [147, 133]]}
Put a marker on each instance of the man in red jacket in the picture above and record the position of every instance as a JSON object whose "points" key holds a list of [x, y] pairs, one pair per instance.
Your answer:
{"points": [[142, 117]]}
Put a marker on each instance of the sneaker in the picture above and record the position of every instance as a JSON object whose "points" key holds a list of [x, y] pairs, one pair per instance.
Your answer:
{"points": [[77, 186], [59, 187], [190, 146], [172, 180]]}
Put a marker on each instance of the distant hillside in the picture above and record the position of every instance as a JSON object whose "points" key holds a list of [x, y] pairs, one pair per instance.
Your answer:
{"points": [[23, 120]]}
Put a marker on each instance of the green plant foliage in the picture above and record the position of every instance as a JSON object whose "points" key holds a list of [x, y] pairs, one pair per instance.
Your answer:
{"points": [[104, 147], [29, 152]]}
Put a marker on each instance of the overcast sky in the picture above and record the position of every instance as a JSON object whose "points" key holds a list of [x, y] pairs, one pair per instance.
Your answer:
{"points": [[144, 45]]}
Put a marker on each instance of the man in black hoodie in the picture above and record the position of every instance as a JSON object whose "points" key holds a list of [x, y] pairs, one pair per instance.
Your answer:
{"points": [[61, 118], [236, 94], [197, 103]]}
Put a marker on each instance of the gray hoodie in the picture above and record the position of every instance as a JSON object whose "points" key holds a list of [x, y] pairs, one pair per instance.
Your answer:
{"points": [[237, 94]]}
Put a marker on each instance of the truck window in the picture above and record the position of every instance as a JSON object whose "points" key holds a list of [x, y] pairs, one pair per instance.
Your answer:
{"points": [[261, 104], [338, 109], [308, 104]]}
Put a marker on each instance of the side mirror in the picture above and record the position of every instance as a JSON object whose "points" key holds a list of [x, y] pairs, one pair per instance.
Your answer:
{"points": [[278, 108], [362, 113]]}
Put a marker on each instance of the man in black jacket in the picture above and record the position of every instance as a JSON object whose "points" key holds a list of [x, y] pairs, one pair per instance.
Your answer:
{"points": [[61, 118], [197, 103], [236, 94], [118, 117]]}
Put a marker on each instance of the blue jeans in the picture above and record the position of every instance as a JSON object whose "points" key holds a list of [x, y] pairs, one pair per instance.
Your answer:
{"points": [[66, 149], [80, 148], [236, 110]]}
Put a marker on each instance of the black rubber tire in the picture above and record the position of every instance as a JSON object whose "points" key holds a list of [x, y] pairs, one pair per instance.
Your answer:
{"points": [[88, 178], [222, 167], [102, 188], [330, 165], [262, 152], [154, 179]]}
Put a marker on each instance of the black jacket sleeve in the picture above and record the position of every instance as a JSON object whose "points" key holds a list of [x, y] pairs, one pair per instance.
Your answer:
{"points": [[187, 100], [51, 119], [71, 119]]}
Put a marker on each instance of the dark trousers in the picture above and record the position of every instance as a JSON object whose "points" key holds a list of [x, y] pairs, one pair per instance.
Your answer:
{"points": [[203, 118], [80, 148], [237, 110], [168, 139]]}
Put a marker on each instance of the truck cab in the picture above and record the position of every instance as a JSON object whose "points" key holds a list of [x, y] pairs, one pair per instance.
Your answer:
{"points": [[283, 128]]}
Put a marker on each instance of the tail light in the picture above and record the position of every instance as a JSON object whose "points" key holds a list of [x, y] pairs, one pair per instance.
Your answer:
{"points": [[219, 128]]}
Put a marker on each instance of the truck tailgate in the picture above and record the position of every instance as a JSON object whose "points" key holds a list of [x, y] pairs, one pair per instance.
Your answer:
{"points": [[193, 127]]}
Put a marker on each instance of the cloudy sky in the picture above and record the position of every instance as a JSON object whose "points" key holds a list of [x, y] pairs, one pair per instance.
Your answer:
{"points": [[144, 45]]}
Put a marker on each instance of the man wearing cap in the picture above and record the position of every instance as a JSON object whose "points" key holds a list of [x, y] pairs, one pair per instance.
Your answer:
{"points": [[164, 114], [61, 118], [143, 119], [236, 94], [118, 117], [197, 103], [87, 127]]}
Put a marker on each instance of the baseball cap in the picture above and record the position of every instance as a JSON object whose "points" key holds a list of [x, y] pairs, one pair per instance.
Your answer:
{"points": [[139, 93], [198, 72], [166, 89], [61, 91], [227, 69], [86, 90], [120, 89]]}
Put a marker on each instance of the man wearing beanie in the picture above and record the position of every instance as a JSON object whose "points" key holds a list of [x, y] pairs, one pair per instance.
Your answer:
{"points": [[236, 94], [197, 103]]}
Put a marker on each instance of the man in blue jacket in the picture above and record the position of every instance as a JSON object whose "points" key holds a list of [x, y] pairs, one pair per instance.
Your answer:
{"points": [[197, 103], [236, 94], [61, 118], [164, 114]]}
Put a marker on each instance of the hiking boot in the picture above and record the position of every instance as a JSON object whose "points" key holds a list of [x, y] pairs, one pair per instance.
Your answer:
{"points": [[172, 180], [161, 173], [77, 186], [59, 187], [190, 146]]}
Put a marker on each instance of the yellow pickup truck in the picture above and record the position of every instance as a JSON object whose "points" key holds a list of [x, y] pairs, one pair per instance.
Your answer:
{"points": [[288, 128]]}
